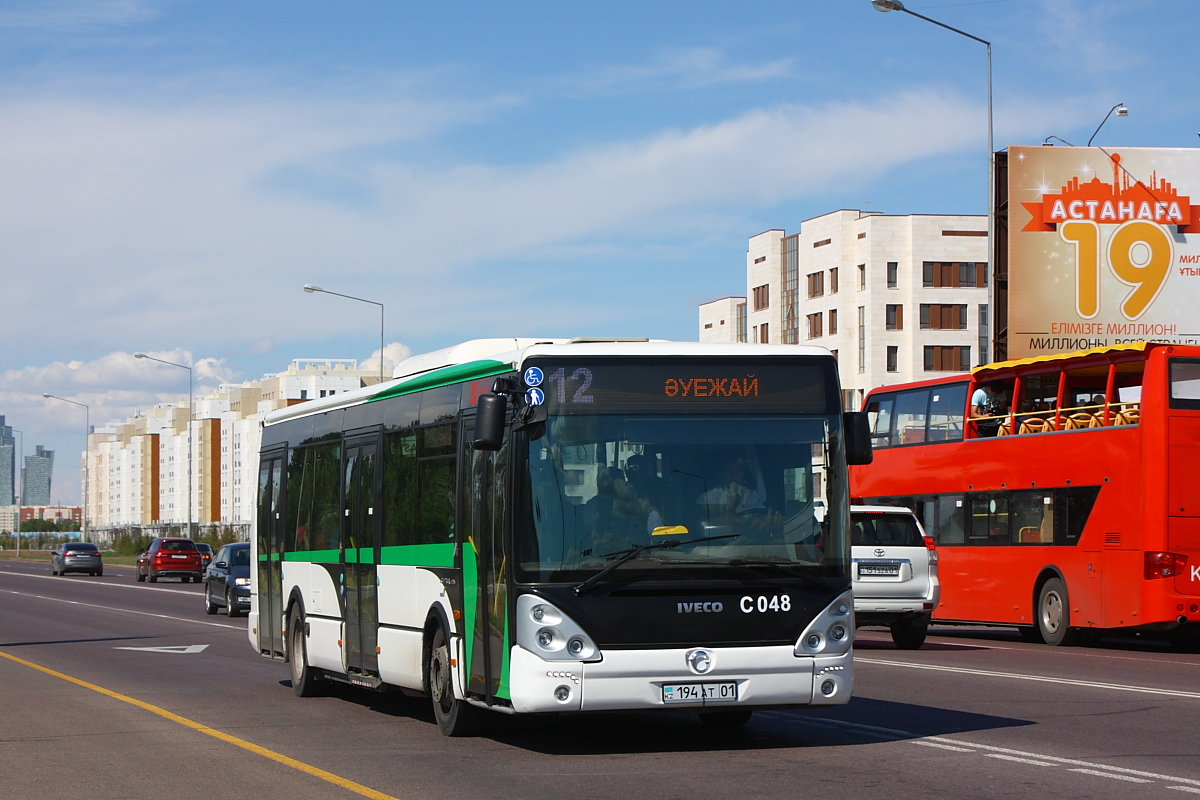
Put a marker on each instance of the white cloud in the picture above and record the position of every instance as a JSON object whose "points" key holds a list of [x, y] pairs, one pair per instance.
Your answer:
{"points": [[689, 67], [75, 15], [393, 354]]}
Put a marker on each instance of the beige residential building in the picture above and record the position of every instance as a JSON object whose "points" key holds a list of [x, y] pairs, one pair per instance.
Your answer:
{"points": [[896, 298], [139, 467]]}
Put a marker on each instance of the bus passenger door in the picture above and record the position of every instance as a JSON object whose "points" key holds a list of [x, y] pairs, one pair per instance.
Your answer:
{"points": [[485, 597], [270, 569], [360, 551]]}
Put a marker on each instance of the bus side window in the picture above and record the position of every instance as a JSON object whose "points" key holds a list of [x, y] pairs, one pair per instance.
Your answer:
{"points": [[1074, 504], [1033, 517], [326, 520], [990, 518], [951, 519], [912, 412], [879, 415], [947, 406], [399, 488], [299, 500]]}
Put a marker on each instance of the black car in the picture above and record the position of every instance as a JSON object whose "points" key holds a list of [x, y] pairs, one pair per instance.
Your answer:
{"points": [[206, 553], [227, 582], [77, 557]]}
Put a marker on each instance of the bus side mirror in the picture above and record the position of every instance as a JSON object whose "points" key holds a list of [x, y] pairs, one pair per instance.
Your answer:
{"points": [[489, 421], [858, 437]]}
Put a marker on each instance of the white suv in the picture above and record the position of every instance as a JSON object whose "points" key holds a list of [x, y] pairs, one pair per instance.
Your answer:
{"points": [[894, 572]]}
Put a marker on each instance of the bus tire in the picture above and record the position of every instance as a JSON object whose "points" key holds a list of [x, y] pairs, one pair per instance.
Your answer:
{"points": [[1031, 634], [909, 634], [726, 719], [1054, 614], [305, 681], [455, 717]]}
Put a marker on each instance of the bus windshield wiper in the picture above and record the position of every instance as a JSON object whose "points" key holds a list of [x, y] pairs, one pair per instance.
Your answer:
{"points": [[637, 550], [747, 563]]}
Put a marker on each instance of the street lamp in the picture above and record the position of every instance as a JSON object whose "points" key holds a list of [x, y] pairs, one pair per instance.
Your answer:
{"points": [[308, 287], [1121, 111], [896, 5], [189, 430], [87, 429]]}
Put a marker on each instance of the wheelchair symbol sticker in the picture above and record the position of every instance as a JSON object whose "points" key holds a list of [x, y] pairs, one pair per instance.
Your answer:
{"points": [[533, 377]]}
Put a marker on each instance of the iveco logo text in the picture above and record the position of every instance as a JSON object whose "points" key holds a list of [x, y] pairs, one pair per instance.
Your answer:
{"points": [[699, 608]]}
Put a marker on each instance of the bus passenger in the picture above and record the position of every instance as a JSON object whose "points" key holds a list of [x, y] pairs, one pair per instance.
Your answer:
{"points": [[989, 401]]}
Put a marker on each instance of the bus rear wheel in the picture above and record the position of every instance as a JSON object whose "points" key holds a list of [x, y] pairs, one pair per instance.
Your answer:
{"points": [[1054, 614], [455, 717]]}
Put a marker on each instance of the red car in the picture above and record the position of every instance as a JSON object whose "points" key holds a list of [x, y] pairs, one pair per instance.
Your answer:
{"points": [[170, 558]]}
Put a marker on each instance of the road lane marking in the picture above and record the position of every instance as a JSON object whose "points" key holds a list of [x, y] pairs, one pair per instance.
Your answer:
{"points": [[915, 738], [1110, 775], [97, 583], [279, 758], [1035, 763], [183, 649], [944, 746], [1185, 789], [1117, 687], [127, 611]]}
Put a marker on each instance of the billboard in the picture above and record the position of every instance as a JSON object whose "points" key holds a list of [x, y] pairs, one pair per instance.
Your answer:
{"points": [[1103, 247]]}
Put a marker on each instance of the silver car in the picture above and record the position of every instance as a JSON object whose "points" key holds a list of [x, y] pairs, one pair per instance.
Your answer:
{"points": [[77, 557], [894, 572]]}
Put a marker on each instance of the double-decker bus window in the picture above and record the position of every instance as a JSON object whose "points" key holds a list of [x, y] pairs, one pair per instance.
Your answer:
{"points": [[990, 520], [912, 412], [1033, 517], [951, 525], [946, 407], [1185, 383], [879, 415], [1075, 506]]}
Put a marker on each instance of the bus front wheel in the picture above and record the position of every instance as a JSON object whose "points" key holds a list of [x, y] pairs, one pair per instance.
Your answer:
{"points": [[305, 682], [455, 717], [1054, 614]]}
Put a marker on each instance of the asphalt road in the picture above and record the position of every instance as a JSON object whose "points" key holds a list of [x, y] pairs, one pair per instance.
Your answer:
{"points": [[975, 713]]}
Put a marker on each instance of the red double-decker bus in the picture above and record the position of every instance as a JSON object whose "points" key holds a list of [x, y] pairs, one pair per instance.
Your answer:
{"points": [[1062, 490]]}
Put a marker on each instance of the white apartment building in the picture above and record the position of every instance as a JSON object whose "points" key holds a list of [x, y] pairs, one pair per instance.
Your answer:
{"points": [[139, 467], [896, 298]]}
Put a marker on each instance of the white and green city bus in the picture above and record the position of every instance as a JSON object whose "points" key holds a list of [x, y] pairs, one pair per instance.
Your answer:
{"points": [[531, 526]]}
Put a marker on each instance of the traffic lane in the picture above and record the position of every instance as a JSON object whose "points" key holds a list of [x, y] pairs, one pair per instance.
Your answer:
{"points": [[108, 589], [114, 574], [62, 740]]}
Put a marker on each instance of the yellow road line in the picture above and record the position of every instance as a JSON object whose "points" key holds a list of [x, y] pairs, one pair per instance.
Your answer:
{"points": [[328, 777]]}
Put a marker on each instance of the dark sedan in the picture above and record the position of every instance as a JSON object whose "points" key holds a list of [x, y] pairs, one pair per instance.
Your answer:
{"points": [[77, 557], [227, 583]]}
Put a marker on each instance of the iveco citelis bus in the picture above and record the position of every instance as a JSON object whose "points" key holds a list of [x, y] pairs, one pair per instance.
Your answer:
{"points": [[545, 526]]}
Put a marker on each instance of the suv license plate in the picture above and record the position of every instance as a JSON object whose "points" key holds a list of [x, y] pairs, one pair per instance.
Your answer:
{"points": [[700, 692], [876, 570]]}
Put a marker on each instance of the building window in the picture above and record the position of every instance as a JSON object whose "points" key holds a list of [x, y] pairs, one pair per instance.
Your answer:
{"points": [[762, 296], [862, 339], [835, 358], [939, 274], [816, 284], [893, 359], [708, 325], [304, 394], [822, 243], [947, 359], [791, 290], [862, 276], [833, 280], [763, 337], [893, 270], [814, 325], [895, 317], [740, 322], [941, 317], [832, 321], [760, 259], [984, 335]]}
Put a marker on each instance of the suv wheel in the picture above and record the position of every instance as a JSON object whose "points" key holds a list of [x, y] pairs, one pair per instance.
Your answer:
{"points": [[150, 576], [909, 634]]}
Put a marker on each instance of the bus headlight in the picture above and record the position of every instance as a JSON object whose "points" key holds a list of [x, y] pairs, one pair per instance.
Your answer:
{"points": [[831, 633], [545, 630]]}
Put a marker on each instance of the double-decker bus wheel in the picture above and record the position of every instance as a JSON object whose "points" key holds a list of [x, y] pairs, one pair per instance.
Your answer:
{"points": [[1054, 614]]}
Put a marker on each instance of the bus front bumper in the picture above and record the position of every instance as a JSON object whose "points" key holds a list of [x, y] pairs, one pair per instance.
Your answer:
{"points": [[635, 679]]}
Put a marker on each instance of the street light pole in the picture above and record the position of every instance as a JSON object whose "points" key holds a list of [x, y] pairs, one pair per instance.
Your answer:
{"points": [[191, 405], [897, 5], [308, 287], [1121, 110], [87, 429]]}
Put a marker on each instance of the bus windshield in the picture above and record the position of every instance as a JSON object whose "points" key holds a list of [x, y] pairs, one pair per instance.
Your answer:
{"points": [[756, 487]]}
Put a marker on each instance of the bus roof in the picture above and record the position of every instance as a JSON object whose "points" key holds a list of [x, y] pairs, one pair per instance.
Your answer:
{"points": [[485, 358], [1095, 351]]}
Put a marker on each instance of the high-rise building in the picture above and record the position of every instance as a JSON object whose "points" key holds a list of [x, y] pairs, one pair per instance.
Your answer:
{"points": [[8, 464], [896, 298], [35, 478]]}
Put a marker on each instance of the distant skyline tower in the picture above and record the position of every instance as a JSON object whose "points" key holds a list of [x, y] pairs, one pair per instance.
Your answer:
{"points": [[35, 479], [8, 464]]}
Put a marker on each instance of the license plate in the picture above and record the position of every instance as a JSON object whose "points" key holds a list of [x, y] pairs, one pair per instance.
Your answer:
{"points": [[178, 556], [879, 570], [700, 692]]}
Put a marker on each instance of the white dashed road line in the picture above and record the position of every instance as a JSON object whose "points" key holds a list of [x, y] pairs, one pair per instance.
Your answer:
{"points": [[1116, 687], [1034, 762], [129, 611], [1110, 775], [97, 583]]}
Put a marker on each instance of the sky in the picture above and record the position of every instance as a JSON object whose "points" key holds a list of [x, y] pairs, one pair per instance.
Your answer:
{"points": [[172, 173]]}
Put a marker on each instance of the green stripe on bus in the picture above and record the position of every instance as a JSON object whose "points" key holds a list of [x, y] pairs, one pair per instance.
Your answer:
{"points": [[470, 587], [315, 556], [445, 376], [418, 555], [268, 556], [502, 684]]}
